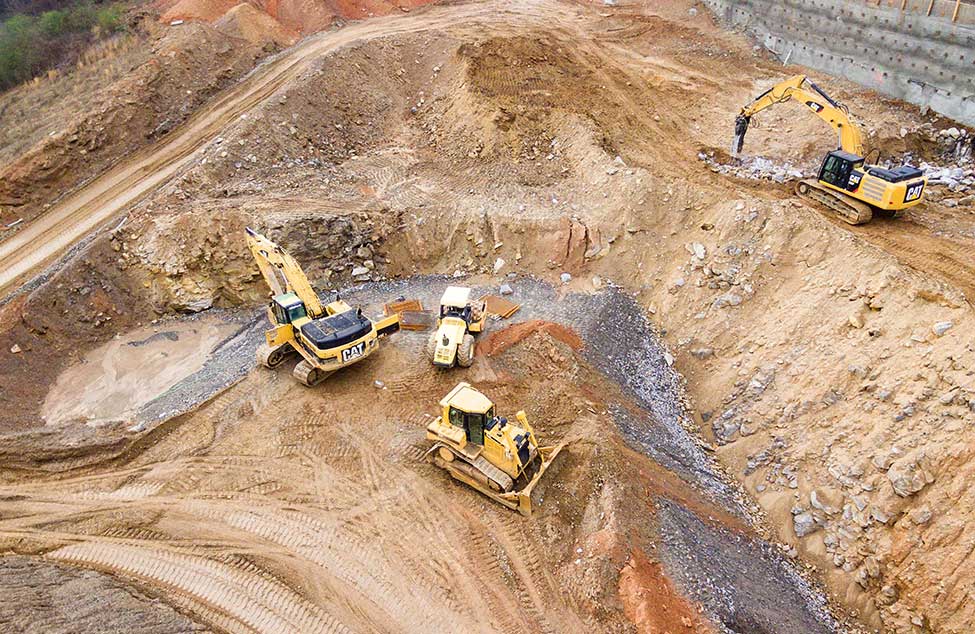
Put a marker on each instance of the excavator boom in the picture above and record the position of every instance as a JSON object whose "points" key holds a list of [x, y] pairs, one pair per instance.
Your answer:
{"points": [[814, 98], [282, 272]]}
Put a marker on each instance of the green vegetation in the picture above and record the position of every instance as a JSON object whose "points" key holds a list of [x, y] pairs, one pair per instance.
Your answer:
{"points": [[31, 44]]}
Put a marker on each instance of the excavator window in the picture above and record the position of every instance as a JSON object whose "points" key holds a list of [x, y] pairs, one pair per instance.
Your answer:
{"points": [[836, 170], [297, 311], [280, 315]]}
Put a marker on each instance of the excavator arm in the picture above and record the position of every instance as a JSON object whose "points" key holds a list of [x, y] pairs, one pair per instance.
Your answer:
{"points": [[282, 272], [813, 98]]}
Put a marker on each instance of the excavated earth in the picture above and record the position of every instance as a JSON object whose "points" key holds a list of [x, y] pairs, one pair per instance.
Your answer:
{"points": [[767, 413]]}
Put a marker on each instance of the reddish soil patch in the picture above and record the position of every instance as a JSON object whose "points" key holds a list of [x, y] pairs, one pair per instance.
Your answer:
{"points": [[499, 341], [250, 23], [206, 10], [652, 604]]}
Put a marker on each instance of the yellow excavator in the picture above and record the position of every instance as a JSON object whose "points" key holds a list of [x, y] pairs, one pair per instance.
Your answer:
{"points": [[500, 459], [328, 337], [846, 183]]}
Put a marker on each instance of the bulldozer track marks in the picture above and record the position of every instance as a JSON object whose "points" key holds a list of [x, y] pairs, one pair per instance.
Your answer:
{"points": [[346, 559], [934, 260], [231, 599]]}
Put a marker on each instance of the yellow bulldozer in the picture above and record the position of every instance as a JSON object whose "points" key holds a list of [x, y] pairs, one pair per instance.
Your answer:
{"points": [[502, 460], [459, 320], [845, 183], [328, 337]]}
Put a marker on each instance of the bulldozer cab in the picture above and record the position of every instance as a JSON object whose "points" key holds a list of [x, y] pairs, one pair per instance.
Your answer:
{"points": [[838, 170], [288, 308], [468, 409]]}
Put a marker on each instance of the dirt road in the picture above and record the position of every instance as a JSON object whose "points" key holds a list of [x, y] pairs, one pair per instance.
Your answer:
{"points": [[94, 205]]}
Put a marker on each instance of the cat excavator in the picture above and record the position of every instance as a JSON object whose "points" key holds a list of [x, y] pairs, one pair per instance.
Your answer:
{"points": [[328, 337], [845, 183]]}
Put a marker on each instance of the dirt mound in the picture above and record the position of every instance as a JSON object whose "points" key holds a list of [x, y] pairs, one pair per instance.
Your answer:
{"points": [[302, 16], [828, 375], [250, 23], [185, 68], [497, 341], [205, 10]]}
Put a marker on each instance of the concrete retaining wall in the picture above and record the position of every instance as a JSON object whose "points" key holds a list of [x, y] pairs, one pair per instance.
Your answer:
{"points": [[926, 60]]}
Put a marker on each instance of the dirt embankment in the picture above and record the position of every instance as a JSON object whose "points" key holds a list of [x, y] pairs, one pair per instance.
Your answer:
{"points": [[295, 17], [829, 367], [177, 73]]}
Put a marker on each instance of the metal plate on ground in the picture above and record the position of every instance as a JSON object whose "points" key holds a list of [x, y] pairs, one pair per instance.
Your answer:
{"points": [[402, 306], [417, 319], [500, 306]]}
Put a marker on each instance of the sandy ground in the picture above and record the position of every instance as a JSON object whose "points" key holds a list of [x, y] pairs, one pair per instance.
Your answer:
{"points": [[331, 508], [828, 369], [114, 381]]}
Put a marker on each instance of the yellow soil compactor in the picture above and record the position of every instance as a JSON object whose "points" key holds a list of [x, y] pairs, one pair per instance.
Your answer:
{"points": [[328, 337], [459, 320], [846, 183], [502, 460]]}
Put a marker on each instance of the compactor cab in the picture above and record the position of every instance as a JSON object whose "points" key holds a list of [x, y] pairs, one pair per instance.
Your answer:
{"points": [[457, 323], [501, 459]]}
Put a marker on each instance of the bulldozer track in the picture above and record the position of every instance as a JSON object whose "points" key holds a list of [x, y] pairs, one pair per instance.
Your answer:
{"points": [[344, 558]]}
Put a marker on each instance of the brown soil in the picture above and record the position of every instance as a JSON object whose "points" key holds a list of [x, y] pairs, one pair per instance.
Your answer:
{"points": [[652, 604], [321, 514], [249, 23], [498, 341], [440, 141]]}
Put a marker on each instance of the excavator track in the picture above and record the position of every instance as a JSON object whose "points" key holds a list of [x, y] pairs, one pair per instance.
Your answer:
{"points": [[309, 375], [849, 209], [273, 357]]}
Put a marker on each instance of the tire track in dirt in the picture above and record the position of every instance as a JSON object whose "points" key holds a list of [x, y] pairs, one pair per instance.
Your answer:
{"points": [[231, 599]]}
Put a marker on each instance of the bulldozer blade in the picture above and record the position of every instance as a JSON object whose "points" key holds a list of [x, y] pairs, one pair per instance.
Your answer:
{"points": [[515, 500], [524, 496]]}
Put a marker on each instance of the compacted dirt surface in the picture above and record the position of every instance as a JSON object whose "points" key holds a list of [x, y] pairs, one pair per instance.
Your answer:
{"points": [[767, 413]]}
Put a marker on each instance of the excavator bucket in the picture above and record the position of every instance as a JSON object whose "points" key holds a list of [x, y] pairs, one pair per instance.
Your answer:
{"points": [[388, 325]]}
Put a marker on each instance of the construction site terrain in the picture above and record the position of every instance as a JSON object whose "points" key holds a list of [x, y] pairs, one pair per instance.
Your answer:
{"points": [[766, 412]]}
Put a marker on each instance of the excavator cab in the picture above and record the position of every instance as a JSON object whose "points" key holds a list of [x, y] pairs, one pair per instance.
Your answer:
{"points": [[288, 308], [838, 169]]}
